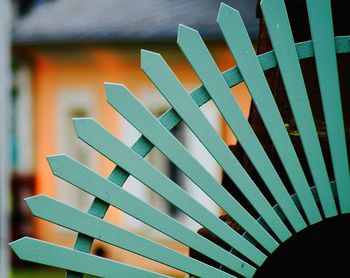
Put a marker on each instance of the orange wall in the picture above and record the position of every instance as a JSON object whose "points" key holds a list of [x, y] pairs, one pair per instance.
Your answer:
{"points": [[88, 67]]}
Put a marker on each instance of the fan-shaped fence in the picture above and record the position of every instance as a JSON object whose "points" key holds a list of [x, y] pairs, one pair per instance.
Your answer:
{"points": [[276, 224]]}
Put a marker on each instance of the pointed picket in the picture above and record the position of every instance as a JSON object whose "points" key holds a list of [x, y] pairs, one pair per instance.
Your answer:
{"points": [[90, 182], [123, 101], [112, 148], [245, 251], [198, 55], [162, 76], [280, 33], [262, 96], [45, 253], [239, 44], [320, 17], [47, 208]]}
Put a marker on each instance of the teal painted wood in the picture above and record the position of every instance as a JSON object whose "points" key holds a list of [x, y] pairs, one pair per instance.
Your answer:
{"points": [[66, 258], [79, 221], [198, 55], [283, 43], [320, 18], [123, 101], [112, 148], [262, 97], [166, 82], [90, 182], [239, 43], [200, 58], [170, 119]]}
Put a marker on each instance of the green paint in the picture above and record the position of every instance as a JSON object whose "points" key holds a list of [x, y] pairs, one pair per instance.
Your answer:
{"points": [[96, 185], [186, 107], [121, 99], [45, 253], [239, 43], [283, 43], [170, 119], [112, 148], [79, 221], [320, 17]]}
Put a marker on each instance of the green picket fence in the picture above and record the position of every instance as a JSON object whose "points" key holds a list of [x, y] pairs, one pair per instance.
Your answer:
{"points": [[276, 224]]}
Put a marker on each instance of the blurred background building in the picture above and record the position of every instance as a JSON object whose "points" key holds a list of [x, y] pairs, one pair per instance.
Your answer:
{"points": [[63, 52]]}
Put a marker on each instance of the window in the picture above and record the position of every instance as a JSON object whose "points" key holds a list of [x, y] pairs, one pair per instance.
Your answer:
{"points": [[74, 104]]}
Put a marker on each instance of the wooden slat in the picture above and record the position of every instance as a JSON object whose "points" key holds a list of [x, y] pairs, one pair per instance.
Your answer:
{"points": [[124, 102], [197, 53], [112, 148], [280, 33], [162, 76], [45, 253], [263, 98], [239, 43], [88, 181], [320, 17], [47, 208]]}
